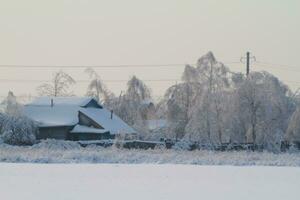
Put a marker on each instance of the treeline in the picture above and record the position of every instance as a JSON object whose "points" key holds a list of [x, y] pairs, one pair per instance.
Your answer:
{"points": [[211, 105]]}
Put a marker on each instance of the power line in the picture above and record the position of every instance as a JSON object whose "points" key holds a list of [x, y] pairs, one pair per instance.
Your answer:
{"points": [[275, 68], [276, 65], [112, 81], [256, 64], [92, 66], [86, 81], [103, 66]]}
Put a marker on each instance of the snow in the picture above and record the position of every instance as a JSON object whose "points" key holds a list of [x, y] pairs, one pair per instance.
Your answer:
{"points": [[58, 115], [103, 117], [55, 151], [52, 146], [136, 182], [154, 124], [75, 101], [85, 129]]}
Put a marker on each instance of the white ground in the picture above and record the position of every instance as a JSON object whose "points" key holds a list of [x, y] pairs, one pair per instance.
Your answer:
{"points": [[142, 182], [51, 151]]}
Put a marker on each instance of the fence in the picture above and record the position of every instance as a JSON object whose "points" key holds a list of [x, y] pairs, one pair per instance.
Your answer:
{"points": [[168, 144]]}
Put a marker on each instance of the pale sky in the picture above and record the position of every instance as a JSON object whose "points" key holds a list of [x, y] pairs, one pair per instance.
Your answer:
{"points": [[119, 32]]}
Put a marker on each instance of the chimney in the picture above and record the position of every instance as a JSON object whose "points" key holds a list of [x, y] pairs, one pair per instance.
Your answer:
{"points": [[52, 103], [111, 114]]}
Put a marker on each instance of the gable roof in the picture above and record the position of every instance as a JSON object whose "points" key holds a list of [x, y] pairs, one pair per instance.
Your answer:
{"points": [[103, 117], [65, 113]]}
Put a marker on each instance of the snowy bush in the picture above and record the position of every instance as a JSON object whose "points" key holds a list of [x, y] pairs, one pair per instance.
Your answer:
{"points": [[58, 152], [18, 130], [56, 145], [119, 141], [182, 145]]}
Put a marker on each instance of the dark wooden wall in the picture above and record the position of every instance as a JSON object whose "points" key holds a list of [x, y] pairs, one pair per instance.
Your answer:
{"points": [[60, 133]]}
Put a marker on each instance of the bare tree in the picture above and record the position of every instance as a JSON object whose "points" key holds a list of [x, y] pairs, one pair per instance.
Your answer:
{"points": [[59, 85]]}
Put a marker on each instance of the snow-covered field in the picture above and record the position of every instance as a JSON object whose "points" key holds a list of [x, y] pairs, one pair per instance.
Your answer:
{"points": [[142, 182], [143, 174], [70, 152]]}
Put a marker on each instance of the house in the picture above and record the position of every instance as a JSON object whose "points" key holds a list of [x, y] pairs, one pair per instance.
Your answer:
{"points": [[75, 118]]}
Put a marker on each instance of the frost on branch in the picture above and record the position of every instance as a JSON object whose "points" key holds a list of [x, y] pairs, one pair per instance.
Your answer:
{"points": [[98, 89], [264, 108], [15, 128], [132, 106], [214, 105], [11, 106], [18, 130]]}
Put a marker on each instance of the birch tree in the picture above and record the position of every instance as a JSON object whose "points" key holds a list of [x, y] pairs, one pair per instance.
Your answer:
{"points": [[265, 108], [130, 105], [207, 118], [98, 89], [178, 102], [293, 131], [59, 86]]}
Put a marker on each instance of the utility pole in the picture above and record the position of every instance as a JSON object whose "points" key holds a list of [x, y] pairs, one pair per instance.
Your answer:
{"points": [[248, 59], [248, 63]]}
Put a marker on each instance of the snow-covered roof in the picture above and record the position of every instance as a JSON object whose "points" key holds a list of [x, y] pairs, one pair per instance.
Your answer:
{"points": [[85, 129], [48, 116], [65, 113], [103, 118], [46, 101]]}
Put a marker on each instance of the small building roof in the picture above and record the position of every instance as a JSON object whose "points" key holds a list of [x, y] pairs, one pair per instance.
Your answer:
{"points": [[103, 117], [85, 129]]}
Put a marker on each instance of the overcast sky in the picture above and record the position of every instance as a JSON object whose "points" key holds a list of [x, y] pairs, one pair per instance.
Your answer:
{"points": [[113, 32]]}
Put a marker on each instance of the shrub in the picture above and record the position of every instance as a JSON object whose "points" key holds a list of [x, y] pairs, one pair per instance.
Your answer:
{"points": [[19, 130]]}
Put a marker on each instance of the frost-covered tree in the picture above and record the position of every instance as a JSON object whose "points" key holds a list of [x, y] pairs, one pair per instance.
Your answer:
{"points": [[11, 106], [293, 131], [137, 90], [18, 130], [59, 86], [264, 108], [195, 109], [15, 128], [130, 106], [98, 89], [207, 117], [177, 104], [214, 105]]}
